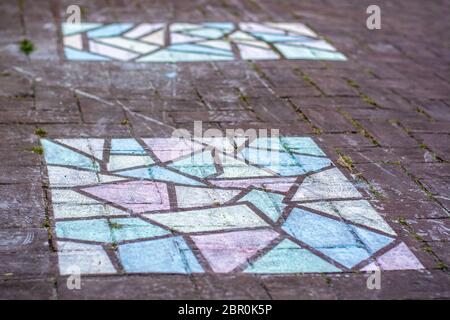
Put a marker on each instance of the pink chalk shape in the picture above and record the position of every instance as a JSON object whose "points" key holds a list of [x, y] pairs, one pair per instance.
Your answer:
{"points": [[226, 251], [167, 149], [398, 258], [137, 196], [272, 184]]}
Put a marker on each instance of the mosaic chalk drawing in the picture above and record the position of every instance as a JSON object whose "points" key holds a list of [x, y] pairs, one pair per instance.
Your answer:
{"points": [[171, 205], [190, 42]]}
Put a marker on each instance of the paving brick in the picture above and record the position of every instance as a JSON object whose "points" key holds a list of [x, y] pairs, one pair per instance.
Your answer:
{"points": [[388, 155], [24, 240], [441, 249], [394, 284], [391, 181], [427, 127], [165, 287], [22, 174], [27, 289], [22, 205], [288, 288], [388, 134], [24, 264], [212, 116], [439, 143], [230, 287], [432, 229], [320, 117], [97, 112], [412, 209], [263, 106]]}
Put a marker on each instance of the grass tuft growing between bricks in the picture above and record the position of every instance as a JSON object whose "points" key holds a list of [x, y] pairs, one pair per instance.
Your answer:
{"points": [[316, 130], [402, 221], [40, 132], [370, 72], [442, 266], [424, 113], [26, 46], [47, 225], [377, 194], [37, 150], [422, 145], [309, 80], [115, 225], [424, 244], [368, 100], [419, 184], [24, 95], [346, 162], [260, 72], [364, 97], [360, 127], [352, 84], [242, 96], [327, 280]]}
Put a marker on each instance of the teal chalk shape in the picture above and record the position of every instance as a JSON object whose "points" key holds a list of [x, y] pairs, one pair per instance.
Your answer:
{"points": [[60, 155], [288, 257]]}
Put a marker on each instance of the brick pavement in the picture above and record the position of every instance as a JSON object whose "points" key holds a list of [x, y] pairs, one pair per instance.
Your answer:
{"points": [[382, 116]]}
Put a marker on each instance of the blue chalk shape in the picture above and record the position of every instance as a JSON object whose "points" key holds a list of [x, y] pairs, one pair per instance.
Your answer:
{"points": [[328, 55], [159, 173], [345, 243], [284, 163], [318, 231], [271, 204], [267, 143], [311, 163], [288, 257], [110, 30], [264, 157], [304, 145], [199, 165], [348, 257], [73, 54], [372, 240], [123, 229], [88, 230], [60, 155], [168, 255], [126, 146], [294, 52]]}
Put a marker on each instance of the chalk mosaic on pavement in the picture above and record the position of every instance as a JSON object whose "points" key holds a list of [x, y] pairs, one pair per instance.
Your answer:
{"points": [[171, 205], [178, 42]]}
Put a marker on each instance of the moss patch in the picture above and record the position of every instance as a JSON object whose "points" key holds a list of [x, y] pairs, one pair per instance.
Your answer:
{"points": [[37, 150], [26, 46], [40, 132]]}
